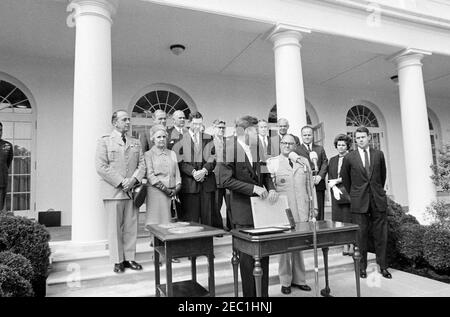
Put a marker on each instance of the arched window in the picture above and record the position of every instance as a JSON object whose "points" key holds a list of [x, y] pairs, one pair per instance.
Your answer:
{"points": [[16, 115], [360, 115], [166, 97], [159, 99]]}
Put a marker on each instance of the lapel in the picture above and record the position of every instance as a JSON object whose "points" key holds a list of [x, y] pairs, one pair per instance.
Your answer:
{"points": [[117, 139], [371, 154]]}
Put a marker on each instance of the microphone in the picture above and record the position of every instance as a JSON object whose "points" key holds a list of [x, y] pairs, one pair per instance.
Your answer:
{"points": [[313, 157], [294, 157]]}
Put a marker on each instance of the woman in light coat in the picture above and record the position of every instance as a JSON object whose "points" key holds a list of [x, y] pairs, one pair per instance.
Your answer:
{"points": [[293, 178]]}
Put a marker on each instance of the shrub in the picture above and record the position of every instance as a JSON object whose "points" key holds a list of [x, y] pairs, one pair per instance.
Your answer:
{"points": [[439, 213], [441, 171], [30, 239], [410, 241], [437, 248], [20, 264], [12, 284]]}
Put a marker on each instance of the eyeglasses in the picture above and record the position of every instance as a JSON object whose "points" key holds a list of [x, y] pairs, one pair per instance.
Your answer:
{"points": [[287, 143], [221, 128]]}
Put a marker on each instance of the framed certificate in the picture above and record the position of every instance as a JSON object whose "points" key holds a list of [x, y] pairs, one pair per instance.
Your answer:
{"points": [[266, 214]]}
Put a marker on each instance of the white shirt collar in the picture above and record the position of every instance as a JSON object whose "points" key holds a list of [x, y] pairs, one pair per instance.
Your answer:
{"points": [[361, 153]]}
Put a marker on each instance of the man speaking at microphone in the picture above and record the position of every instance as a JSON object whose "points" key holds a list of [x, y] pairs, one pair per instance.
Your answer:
{"points": [[319, 164]]}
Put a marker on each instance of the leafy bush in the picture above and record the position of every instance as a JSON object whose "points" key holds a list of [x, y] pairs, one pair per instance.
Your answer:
{"points": [[410, 241], [30, 239], [12, 284], [439, 213], [441, 171], [20, 264], [437, 248]]}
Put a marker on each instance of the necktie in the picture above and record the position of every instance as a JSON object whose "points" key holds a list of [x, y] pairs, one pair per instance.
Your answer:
{"points": [[290, 163], [366, 161], [124, 139], [308, 146]]}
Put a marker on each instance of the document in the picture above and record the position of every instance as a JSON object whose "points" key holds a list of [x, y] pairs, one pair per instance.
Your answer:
{"points": [[266, 214]]}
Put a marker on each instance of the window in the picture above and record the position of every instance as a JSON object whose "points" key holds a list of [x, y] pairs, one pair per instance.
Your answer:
{"points": [[362, 116], [18, 129], [166, 97]]}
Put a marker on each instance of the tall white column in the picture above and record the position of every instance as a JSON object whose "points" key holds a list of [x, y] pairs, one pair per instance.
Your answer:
{"points": [[92, 109], [416, 133], [290, 94]]}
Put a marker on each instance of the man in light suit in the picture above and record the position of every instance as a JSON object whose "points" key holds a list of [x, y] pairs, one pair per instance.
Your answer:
{"points": [[6, 157], [159, 117], [120, 163], [198, 183], [241, 174], [305, 149], [363, 174]]}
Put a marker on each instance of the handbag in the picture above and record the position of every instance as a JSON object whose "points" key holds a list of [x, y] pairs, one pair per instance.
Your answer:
{"points": [[344, 197], [139, 193]]}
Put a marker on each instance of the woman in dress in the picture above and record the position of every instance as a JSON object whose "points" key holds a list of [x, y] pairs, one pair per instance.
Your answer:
{"points": [[163, 175], [339, 211]]}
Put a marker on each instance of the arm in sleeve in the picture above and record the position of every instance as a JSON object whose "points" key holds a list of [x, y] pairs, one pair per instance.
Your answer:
{"points": [[383, 169], [345, 174], [229, 181], [323, 164], [139, 173], [177, 170], [10, 156], [103, 167], [210, 151]]}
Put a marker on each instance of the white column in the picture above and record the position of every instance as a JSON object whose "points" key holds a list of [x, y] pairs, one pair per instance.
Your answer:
{"points": [[290, 93], [416, 133], [92, 108]]}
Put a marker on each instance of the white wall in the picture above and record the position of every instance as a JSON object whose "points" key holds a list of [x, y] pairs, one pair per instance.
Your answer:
{"points": [[51, 84]]}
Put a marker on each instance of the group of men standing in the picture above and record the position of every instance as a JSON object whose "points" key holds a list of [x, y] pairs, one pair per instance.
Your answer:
{"points": [[215, 168]]}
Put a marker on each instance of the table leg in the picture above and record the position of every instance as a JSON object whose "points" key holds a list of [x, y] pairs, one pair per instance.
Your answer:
{"points": [[326, 291], [257, 273], [157, 273], [194, 268], [169, 288], [211, 286], [235, 264], [356, 260]]}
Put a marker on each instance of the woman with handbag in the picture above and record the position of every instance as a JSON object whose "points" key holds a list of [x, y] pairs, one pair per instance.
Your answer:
{"points": [[163, 175], [340, 200]]}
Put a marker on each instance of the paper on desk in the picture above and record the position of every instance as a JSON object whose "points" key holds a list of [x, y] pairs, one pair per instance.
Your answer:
{"points": [[266, 214]]}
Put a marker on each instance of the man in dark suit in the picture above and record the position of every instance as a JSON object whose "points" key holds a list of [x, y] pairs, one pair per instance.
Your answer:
{"points": [[222, 193], [241, 174], [364, 176], [159, 117], [6, 157], [175, 133], [198, 183], [320, 166]]}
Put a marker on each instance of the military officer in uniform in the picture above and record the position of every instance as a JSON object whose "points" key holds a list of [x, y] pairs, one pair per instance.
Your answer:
{"points": [[6, 157], [120, 163]]}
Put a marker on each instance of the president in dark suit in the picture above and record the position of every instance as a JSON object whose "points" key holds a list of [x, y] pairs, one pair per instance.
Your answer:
{"points": [[364, 176], [6, 157], [320, 166], [241, 174], [198, 183]]}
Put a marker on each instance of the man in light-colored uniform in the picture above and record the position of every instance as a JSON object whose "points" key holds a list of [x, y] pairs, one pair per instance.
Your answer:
{"points": [[120, 163], [292, 177]]}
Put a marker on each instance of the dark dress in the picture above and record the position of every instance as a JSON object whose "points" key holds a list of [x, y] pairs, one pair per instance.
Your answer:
{"points": [[339, 212]]}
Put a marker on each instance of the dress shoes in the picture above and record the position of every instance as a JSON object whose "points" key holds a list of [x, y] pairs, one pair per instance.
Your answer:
{"points": [[285, 289], [119, 268], [386, 273], [304, 287], [132, 265], [363, 273]]}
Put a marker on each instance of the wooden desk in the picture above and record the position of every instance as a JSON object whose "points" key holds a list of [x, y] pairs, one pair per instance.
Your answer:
{"points": [[329, 233], [170, 246]]}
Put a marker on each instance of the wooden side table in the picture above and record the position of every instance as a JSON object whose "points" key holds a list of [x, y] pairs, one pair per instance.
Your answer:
{"points": [[168, 246]]}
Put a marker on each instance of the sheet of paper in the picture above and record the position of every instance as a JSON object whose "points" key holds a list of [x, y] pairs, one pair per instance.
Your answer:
{"points": [[266, 214]]}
